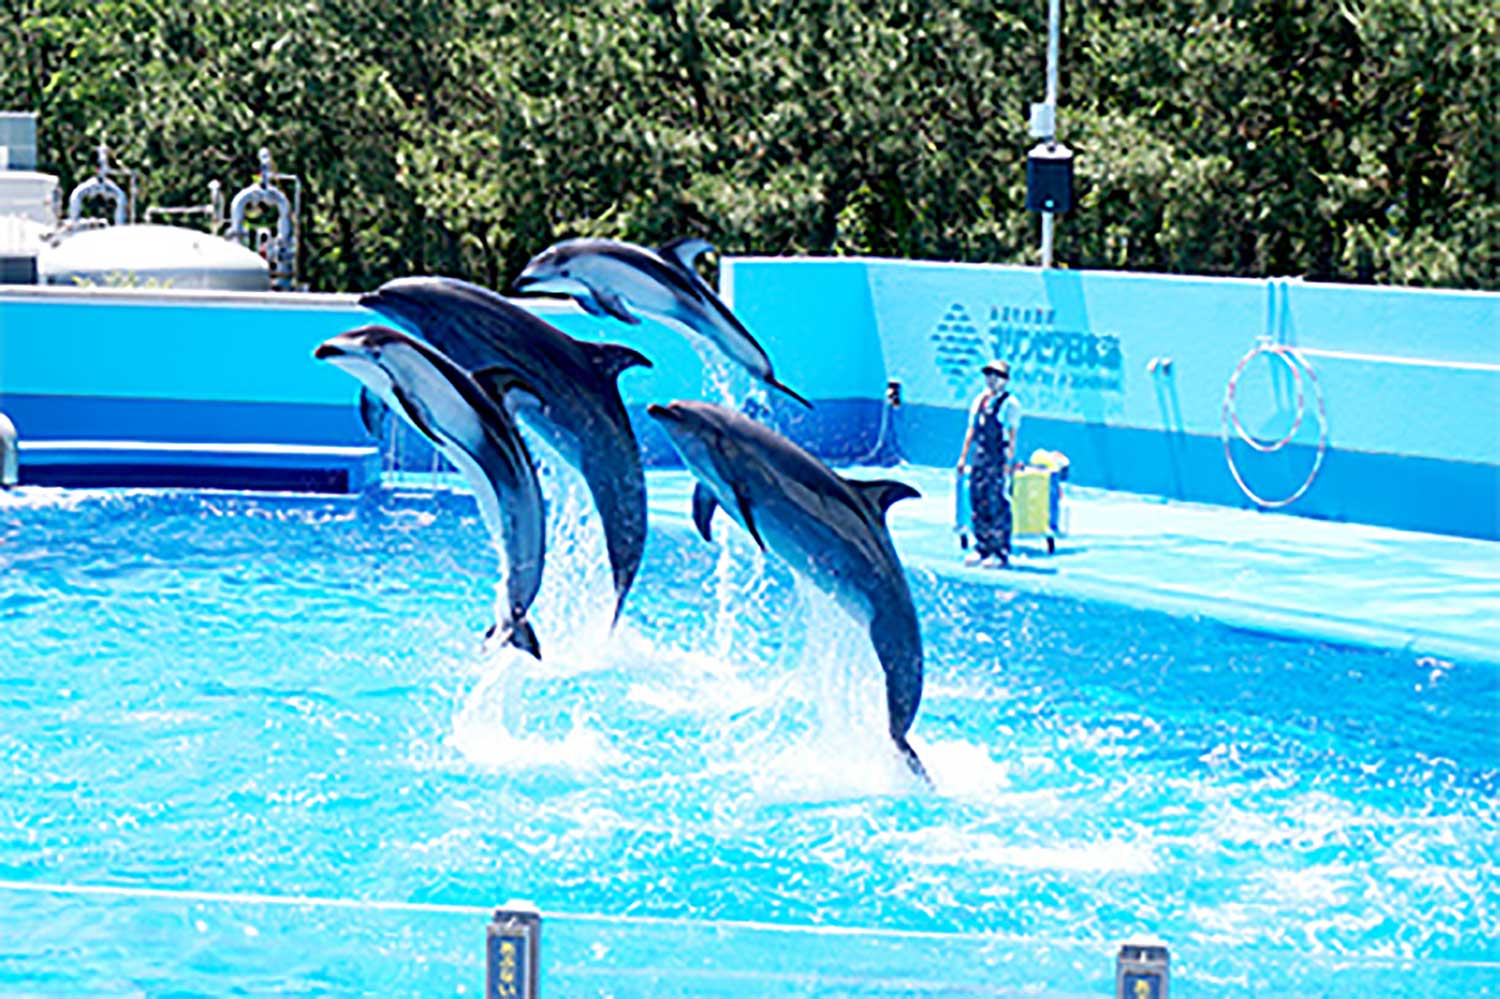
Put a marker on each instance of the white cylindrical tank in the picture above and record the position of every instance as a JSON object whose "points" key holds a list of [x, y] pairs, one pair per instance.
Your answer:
{"points": [[152, 256], [29, 195]]}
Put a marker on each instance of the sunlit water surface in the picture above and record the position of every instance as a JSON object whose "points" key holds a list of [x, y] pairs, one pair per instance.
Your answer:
{"points": [[214, 693]]}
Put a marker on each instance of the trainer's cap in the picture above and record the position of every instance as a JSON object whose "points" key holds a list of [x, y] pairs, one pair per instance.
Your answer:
{"points": [[997, 367]]}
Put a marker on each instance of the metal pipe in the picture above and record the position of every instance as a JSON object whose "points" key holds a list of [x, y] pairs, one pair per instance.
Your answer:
{"points": [[282, 253], [99, 185], [9, 453], [1054, 36], [214, 209], [260, 193]]}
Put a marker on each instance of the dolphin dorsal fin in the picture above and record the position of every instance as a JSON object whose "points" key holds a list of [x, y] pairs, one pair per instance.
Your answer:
{"points": [[703, 509], [506, 388], [881, 493], [609, 359], [684, 250]]}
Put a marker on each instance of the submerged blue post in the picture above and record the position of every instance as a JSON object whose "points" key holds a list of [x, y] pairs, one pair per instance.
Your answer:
{"points": [[513, 951], [1141, 969]]}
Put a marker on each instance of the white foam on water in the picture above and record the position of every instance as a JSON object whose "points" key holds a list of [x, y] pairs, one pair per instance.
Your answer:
{"points": [[961, 769], [491, 727], [946, 845], [826, 735]]}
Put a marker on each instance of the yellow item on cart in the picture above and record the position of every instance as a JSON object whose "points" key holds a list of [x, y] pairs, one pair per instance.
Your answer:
{"points": [[1031, 501]]}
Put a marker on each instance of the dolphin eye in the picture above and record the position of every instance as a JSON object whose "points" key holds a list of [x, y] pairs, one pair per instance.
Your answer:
{"points": [[565, 272]]}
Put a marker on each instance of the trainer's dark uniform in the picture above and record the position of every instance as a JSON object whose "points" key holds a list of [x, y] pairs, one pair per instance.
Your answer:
{"points": [[989, 503]]}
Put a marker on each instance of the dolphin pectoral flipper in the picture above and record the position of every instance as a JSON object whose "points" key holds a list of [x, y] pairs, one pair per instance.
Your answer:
{"points": [[703, 509], [414, 415], [748, 517], [589, 304], [609, 359], [881, 493], [612, 304], [373, 413], [507, 388], [771, 381]]}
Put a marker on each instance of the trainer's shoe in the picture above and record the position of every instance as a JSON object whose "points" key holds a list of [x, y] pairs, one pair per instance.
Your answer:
{"points": [[995, 562], [973, 558]]}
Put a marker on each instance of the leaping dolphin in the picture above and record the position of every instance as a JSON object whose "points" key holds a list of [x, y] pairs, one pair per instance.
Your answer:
{"points": [[580, 412], [475, 432], [610, 278], [828, 528]]}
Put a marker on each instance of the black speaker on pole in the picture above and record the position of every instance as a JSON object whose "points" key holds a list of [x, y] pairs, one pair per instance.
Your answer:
{"points": [[1049, 178]]}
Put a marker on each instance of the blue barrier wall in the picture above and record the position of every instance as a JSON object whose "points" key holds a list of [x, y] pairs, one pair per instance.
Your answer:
{"points": [[214, 368], [1410, 380]]}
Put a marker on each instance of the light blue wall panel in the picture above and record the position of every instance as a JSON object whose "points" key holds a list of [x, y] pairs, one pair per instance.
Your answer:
{"points": [[816, 320], [1403, 371], [142, 347]]}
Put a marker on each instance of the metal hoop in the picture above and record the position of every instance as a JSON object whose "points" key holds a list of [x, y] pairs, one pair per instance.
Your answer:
{"points": [[1239, 428], [1298, 364]]}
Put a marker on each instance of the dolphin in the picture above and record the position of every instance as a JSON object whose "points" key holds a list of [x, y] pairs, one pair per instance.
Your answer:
{"points": [[476, 433], [580, 412], [610, 278], [828, 528]]}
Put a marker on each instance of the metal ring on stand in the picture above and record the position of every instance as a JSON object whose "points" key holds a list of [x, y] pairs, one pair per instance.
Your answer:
{"points": [[1298, 364]]}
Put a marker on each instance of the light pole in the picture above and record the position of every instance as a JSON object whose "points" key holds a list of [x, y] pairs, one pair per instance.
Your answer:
{"points": [[1049, 166]]}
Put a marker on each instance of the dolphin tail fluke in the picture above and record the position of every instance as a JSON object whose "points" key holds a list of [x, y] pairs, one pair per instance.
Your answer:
{"points": [[912, 760], [771, 381], [524, 638], [520, 635]]}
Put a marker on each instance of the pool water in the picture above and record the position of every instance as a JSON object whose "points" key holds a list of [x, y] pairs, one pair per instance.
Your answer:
{"points": [[209, 695]]}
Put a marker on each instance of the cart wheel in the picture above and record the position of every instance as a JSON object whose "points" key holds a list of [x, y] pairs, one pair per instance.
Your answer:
{"points": [[1051, 544]]}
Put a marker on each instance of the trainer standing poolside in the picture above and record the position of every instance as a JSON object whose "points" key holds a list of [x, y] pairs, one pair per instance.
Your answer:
{"points": [[994, 422]]}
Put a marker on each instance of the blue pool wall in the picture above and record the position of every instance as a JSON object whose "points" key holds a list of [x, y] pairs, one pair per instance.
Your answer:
{"points": [[1410, 379]]}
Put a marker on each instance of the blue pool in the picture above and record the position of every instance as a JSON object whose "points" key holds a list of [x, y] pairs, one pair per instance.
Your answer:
{"points": [[252, 745]]}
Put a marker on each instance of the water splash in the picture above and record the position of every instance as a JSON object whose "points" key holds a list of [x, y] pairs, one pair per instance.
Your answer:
{"points": [[505, 723]]}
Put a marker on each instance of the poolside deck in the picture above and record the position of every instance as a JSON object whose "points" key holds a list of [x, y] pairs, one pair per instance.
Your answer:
{"points": [[1350, 583]]}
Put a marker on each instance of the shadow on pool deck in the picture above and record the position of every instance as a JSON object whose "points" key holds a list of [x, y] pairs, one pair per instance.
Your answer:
{"points": [[1287, 575]]}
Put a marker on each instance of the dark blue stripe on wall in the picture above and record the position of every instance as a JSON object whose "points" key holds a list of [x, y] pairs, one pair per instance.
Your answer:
{"points": [[196, 475], [1400, 491]]}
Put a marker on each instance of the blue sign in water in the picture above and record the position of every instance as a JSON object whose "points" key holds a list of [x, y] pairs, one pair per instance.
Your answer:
{"points": [[1141, 986], [512, 955]]}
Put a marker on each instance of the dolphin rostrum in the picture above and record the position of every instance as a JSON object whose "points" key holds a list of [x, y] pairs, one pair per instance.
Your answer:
{"points": [[610, 278], [474, 431], [580, 412], [828, 528]]}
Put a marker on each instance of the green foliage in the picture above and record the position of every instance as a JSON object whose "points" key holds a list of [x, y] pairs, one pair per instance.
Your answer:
{"points": [[1347, 141]]}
